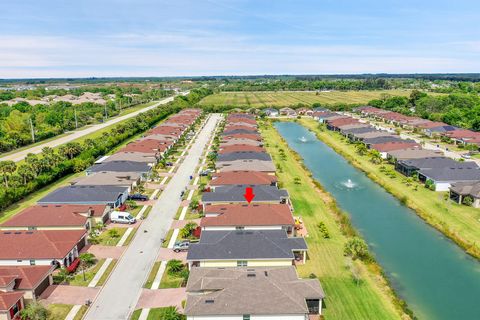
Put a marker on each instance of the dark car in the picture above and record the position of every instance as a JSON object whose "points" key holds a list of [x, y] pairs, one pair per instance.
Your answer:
{"points": [[138, 197]]}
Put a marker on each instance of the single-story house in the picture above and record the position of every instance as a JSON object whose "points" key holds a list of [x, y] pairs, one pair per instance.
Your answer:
{"points": [[440, 130], [244, 155], [442, 178], [246, 165], [250, 136], [51, 217], [384, 148], [240, 131], [242, 177], [235, 194], [392, 138], [240, 148], [412, 153], [248, 217], [288, 112], [350, 133], [237, 141], [122, 166], [147, 158], [113, 196], [11, 303], [460, 190], [358, 125], [271, 112], [336, 124], [246, 248], [110, 178], [371, 134], [411, 166], [252, 293], [41, 247], [322, 117], [30, 280]]}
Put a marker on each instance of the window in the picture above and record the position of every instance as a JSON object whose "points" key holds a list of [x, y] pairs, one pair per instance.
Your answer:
{"points": [[242, 263], [239, 228], [246, 317], [32, 262]]}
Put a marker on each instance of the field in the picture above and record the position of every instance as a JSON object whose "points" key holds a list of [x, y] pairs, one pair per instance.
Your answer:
{"points": [[369, 299], [261, 99]]}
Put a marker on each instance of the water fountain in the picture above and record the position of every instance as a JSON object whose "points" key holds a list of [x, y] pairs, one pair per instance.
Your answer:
{"points": [[349, 184], [303, 139]]}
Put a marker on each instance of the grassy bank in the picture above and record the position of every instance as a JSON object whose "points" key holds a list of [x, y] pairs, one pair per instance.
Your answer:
{"points": [[458, 222], [370, 298]]}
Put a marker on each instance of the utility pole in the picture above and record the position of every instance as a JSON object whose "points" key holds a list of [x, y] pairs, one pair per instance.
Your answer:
{"points": [[32, 131], [106, 115], [76, 121]]}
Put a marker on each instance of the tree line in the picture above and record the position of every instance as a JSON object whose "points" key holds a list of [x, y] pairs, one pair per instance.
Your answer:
{"points": [[40, 170]]}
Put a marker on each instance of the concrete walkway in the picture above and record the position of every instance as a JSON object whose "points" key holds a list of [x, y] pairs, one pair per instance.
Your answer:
{"points": [[100, 273], [20, 155], [119, 296], [73, 312]]}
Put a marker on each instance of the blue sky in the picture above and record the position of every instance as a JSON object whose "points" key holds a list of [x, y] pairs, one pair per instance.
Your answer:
{"points": [[84, 38]]}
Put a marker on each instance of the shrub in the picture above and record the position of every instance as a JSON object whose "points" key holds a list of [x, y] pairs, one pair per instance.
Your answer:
{"points": [[174, 266], [467, 200], [187, 230], [356, 248], [323, 230]]}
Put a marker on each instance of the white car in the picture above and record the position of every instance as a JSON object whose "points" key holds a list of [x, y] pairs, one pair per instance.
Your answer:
{"points": [[122, 217]]}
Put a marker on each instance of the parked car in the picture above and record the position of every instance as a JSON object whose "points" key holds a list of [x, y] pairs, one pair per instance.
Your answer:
{"points": [[206, 172], [181, 246], [169, 164], [466, 156], [138, 196], [122, 217]]}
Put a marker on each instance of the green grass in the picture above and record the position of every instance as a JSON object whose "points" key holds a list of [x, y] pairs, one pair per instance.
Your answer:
{"points": [[170, 281], [130, 237], [152, 275], [89, 274], [58, 311], [293, 98], [136, 314], [106, 274], [372, 298], [147, 212], [81, 313], [106, 240], [154, 314], [167, 238], [460, 223]]}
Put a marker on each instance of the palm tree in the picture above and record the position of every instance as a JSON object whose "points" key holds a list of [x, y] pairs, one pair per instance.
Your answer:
{"points": [[171, 313], [7, 168], [34, 163], [375, 157], [362, 149], [174, 266], [70, 150], [25, 172], [86, 260]]}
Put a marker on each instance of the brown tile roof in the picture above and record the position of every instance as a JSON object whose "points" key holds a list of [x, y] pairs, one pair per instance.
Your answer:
{"points": [[9, 299], [24, 245], [27, 277], [52, 216], [240, 148], [393, 145], [248, 215], [243, 136], [242, 177]]}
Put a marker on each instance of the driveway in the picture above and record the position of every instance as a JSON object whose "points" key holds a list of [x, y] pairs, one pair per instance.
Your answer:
{"points": [[165, 254], [20, 155], [119, 296], [161, 298], [103, 252], [68, 294]]}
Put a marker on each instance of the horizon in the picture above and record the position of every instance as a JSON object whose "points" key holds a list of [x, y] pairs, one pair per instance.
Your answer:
{"points": [[115, 38]]}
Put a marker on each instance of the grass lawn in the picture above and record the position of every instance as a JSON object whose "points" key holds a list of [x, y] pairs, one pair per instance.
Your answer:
{"points": [[167, 238], [58, 311], [81, 313], [259, 99], [152, 274], [147, 212], [459, 222], [130, 237], [105, 239], [89, 274], [372, 298], [170, 281], [106, 274], [154, 314]]}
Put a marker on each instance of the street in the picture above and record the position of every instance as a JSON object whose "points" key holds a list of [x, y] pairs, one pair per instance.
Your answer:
{"points": [[119, 296]]}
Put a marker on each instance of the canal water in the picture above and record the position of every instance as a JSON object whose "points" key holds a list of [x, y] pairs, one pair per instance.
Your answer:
{"points": [[432, 274]]}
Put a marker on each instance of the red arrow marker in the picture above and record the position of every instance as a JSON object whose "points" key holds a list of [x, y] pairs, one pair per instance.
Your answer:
{"points": [[249, 194]]}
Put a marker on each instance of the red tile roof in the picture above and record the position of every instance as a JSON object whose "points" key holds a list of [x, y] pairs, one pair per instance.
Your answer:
{"points": [[242, 177], [52, 216], [240, 147], [27, 277], [243, 136], [25, 245], [248, 215], [9, 299], [394, 145]]}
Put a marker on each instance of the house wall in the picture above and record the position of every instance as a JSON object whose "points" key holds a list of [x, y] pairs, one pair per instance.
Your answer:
{"points": [[250, 263], [442, 186]]}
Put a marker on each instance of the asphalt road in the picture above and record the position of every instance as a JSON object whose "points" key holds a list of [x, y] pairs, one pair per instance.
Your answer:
{"points": [[20, 155], [119, 296]]}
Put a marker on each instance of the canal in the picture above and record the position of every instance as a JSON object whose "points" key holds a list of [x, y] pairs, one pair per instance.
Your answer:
{"points": [[432, 274]]}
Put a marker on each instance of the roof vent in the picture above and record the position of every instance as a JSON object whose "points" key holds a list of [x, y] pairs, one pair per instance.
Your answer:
{"points": [[29, 232], [266, 273], [251, 275], [18, 232], [209, 301], [7, 232]]}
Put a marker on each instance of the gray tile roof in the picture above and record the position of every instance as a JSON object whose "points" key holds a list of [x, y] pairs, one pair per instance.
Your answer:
{"points": [[359, 130], [467, 188], [414, 153], [245, 165], [254, 291], [245, 245], [121, 166], [84, 194], [240, 131], [131, 156], [385, 139], [234, 193], [454, 174], [437, 162], [244, 155]]}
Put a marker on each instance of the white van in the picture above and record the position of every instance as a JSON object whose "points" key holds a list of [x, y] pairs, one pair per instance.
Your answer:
{"points": [[122, 217]]}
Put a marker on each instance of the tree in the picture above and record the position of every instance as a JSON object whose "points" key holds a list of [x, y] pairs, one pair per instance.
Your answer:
{"points": [[7, 168], [70, 149], [174, 266], [188, 229], [375, 157], [34, 163], [356, 248], [361, 149], [25, 172], [34, 311], [113, 233], [86, 260]]}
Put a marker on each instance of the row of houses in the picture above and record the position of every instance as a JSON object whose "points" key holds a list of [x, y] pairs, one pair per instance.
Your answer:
{"points": [[51, 234], [243, 266], [440, 173]]}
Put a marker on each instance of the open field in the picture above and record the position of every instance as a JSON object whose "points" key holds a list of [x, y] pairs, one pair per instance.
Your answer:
{"points": [[261, 99], [459, 222], [370, 299]]}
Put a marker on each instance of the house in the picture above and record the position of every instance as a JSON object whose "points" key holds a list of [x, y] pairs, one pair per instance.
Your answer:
{"points": [[439, 130], [250, 136], [240, 148], [236, 141], [242, 177], [271, 112], [131, 156], [122, 166], [289, 112], [411, 166], [244, 155], [252, 293], [384, 148], [11, 303], [459, 191], [358, 125], [248, 217], [443, 178], [335, 124], [383, 139], [51, 217], [113, 196], [41, 247], [321, 117], [412, 153], [240, 131], [246, 248], [234, 194], [351, 133], [29, 280], [246, 165], [110, 178], [304, 111]]}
